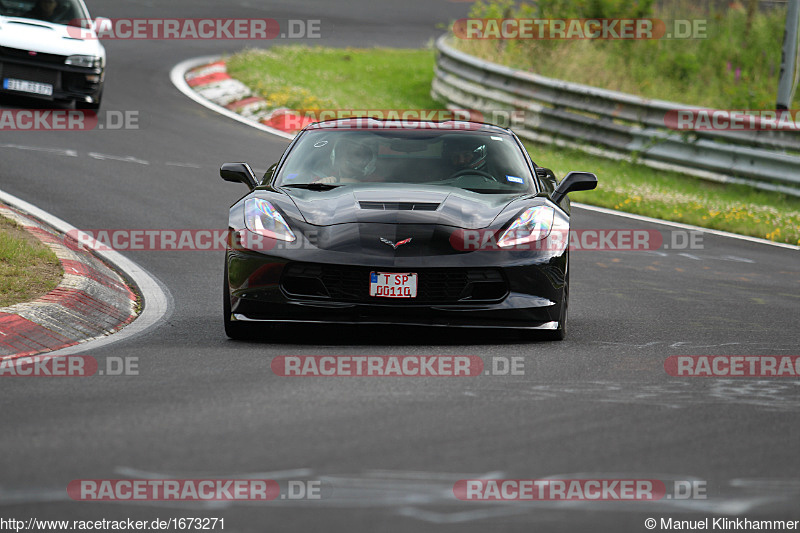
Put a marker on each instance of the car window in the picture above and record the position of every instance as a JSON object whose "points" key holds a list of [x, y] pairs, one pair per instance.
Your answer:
{"points": [[479, 161], [56, 11]]}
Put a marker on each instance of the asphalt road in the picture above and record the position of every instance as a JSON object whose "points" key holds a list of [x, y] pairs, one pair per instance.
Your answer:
{"points": [[387, 451]]}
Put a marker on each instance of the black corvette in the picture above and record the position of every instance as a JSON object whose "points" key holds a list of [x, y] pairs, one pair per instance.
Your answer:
{"points": [[379, 222]]}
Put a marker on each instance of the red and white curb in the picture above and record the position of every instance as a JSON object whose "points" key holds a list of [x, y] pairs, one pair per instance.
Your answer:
{"points": [[207, 81], [91, 301]]}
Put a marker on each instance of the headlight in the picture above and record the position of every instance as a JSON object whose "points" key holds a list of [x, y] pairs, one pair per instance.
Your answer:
{"points": [[261, 217], [533, 225], [85, 61]]}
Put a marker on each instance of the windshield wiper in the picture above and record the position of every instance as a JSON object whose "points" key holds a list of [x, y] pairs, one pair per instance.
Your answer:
{"points": [[492, 191], [313, 186]]}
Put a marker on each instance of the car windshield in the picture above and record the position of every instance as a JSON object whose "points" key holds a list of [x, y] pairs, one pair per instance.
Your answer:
{"points": [[480, 161], [55, 11]]}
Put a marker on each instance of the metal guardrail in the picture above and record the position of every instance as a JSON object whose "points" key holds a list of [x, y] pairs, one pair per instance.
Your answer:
{"points": [[616, 123]]}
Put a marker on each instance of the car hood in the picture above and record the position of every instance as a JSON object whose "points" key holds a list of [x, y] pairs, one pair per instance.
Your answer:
{"points": [[399, 204], [46, 38]]}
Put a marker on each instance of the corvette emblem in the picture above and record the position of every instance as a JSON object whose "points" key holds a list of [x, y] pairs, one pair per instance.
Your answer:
{"points": [[32, 53], [395, 245]]}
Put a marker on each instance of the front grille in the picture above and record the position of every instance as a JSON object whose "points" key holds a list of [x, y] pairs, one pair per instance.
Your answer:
{"points": [[24, 55], [434, 285], [77, 82], [399, 206]]}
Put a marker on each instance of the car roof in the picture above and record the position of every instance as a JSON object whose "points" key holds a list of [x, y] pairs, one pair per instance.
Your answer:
{"points": [[373, 123]]}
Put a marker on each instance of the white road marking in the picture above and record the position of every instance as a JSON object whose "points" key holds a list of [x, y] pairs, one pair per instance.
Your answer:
{"points": [[487, 512], [683, 226], [126, 159], [135, 473], [736, 259], [183, 165], [55, 151], [95, 155]]}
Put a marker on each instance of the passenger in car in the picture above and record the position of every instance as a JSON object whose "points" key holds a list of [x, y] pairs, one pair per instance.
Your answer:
{"points": [[352, 161]]}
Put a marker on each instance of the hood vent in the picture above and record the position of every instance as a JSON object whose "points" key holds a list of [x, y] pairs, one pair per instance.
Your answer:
{"points": [[21, 23], [399, 206]]}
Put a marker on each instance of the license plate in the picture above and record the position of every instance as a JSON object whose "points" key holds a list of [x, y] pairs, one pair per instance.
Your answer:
{"points": [[30, 87], [393, 285]]}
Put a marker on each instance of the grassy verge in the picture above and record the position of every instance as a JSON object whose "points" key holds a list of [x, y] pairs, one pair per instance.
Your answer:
{"points": [[671, 196], [332, 78], [28, 269], [401, 79]]}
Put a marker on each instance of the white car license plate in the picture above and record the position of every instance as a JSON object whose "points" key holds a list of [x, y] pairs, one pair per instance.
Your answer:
{"points": [[28, 87], [393, 285]]}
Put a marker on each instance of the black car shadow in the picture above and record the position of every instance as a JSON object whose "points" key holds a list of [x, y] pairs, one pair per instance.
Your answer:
{"points": [[380, 335], [12, 101]]}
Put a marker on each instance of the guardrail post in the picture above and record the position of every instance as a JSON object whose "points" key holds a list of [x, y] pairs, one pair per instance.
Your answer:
{"points": [[788, 56]]}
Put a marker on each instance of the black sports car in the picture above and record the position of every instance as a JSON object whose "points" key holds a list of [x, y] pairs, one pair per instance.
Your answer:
{"points": [[382, 222]]}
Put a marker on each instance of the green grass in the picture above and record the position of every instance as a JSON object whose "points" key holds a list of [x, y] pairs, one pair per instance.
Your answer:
{"points": [[671, 196], [28, 269], [690, 71], [300, 77], [401, 79]]}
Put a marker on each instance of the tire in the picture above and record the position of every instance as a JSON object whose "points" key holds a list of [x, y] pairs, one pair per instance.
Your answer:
{"points": [[560, 333]]}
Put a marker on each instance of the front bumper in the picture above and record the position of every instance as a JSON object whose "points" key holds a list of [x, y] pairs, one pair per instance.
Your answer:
{"points": [[69, 82], [479, 289]]}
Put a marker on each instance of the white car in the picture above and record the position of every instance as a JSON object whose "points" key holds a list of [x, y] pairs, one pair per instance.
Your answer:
{"points": [[49, 50]]}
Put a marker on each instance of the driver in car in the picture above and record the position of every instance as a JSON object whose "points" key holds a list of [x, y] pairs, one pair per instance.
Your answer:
{"points": [[465, 154], [43, 10], [353, 161]]}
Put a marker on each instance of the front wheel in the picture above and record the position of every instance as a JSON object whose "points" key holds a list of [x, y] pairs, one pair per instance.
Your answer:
{"points": [[233, 329], [560, 333]]}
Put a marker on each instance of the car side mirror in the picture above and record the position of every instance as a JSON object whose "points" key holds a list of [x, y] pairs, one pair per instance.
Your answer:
{"points": [[574, 181], [238, 173]]}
